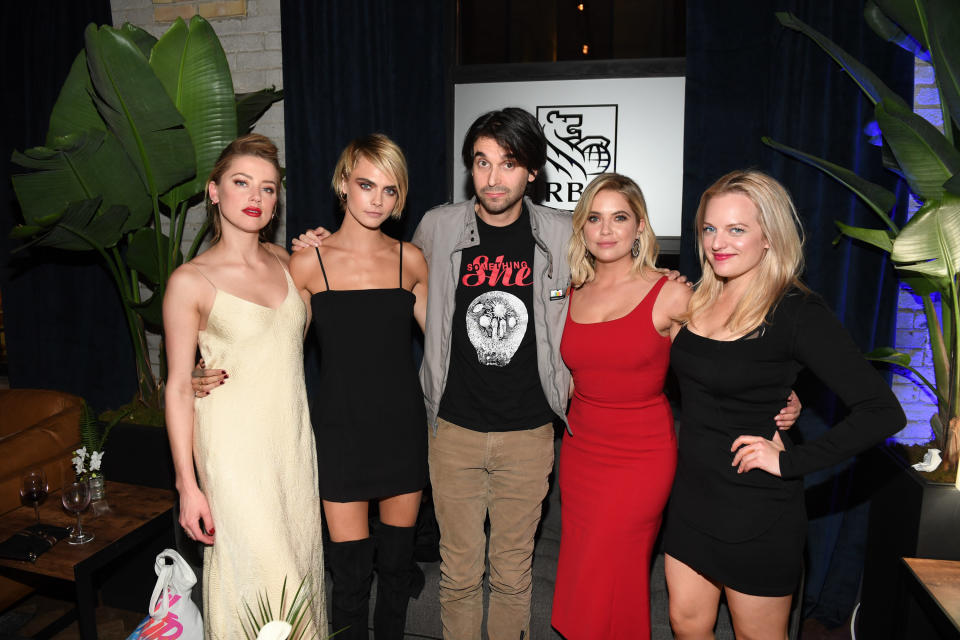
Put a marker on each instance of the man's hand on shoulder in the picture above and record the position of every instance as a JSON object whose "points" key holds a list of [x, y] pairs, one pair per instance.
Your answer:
{"points": [[309, 238]]}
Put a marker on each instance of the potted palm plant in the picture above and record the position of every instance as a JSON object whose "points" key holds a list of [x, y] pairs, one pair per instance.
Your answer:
{"points": [[910, 516], [135, 131]]}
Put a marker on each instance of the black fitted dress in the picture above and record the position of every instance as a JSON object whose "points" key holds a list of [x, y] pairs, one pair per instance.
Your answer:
{"points": [[369, 417], [747, 531]]}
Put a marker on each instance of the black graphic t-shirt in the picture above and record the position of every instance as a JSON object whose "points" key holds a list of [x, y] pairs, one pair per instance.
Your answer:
{"points": [[493, 383]]}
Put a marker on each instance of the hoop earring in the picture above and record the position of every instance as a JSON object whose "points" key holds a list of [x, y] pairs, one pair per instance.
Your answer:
{"points": [[635, 249]]}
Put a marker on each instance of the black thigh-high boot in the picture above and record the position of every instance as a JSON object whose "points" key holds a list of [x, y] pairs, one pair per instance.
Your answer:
{"points": [[351, 566], [398, 578]]}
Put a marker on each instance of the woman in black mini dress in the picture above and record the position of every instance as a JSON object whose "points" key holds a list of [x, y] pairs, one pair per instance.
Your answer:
{"points": [[370, 422], [736, 522]]}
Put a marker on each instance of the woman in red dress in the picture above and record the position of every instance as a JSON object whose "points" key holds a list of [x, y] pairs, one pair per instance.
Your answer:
{"points": [[618, 459]]}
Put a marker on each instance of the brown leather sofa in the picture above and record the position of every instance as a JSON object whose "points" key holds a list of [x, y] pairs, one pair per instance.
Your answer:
{"points": [[38, 429]]}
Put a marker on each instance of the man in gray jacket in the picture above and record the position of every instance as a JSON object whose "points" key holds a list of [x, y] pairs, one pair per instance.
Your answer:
{"points": [[492, 376]]}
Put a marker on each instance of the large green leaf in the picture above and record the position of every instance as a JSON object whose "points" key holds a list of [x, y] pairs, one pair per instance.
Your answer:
{"points": [[943, 24], [904, 13], [193, 69], [930, 242], [151, 310], [250, 106], [88, 165], [135, 107], [74, 111], [925, 157], [143, 39], [877, 198], [81, 228], [880, 238], [868, 82], [142, 254], [890, 31]]}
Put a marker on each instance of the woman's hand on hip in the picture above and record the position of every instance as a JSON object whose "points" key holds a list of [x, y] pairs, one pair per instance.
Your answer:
{"points": [[754, 452]]}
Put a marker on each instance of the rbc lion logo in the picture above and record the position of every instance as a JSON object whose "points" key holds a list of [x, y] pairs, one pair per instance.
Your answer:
{"points": [[581, 144]]}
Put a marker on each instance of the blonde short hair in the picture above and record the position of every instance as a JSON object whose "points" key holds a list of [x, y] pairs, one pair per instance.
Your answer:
{"points": [[780, 267], [384, 154], [581, 262]]}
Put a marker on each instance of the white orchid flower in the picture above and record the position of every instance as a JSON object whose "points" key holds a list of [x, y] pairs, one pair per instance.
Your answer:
{"points": [[78, 464], [95, 459]]}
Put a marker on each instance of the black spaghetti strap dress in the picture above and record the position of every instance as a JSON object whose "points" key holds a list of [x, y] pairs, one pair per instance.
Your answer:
{"points": [[368, 416]]}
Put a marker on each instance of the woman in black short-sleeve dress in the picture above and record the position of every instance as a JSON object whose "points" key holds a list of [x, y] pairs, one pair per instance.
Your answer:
{"points": [[736, 521]]}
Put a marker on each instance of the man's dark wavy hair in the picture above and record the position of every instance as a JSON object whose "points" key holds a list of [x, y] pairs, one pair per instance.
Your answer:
{"points": [[514, 129]]}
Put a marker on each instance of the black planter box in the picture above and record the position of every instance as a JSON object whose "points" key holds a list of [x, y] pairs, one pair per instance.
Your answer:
{"points": [[909, 517]]}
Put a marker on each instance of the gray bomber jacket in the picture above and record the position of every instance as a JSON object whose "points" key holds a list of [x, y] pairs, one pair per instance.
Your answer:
{"points": [[442, 235]]}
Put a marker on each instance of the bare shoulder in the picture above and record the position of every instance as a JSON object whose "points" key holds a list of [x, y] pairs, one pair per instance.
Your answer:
{"points": [[278, 251], [186, 284], [303, 261], [413, 257]]}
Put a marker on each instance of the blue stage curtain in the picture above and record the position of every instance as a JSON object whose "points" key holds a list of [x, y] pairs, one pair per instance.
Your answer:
{"points": [[748, 77], [63, 320]]}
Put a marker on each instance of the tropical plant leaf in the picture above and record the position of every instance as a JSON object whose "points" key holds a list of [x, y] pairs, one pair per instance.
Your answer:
{"points": [[71, 231], [250, 106], [924, 155], [877, 198], [889, 354], [943, 25], [74, 111], [88, 165], [191, 65], [925, 285], [930, 242], [953, 185], [880, 238], [142, 254], [868, 82], [890, 31], [151, 310], [132, 102], [904, 13], [143, 39]]}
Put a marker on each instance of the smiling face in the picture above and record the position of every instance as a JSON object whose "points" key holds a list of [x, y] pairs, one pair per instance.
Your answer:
{"points": [[246, 194], [731, 237], [370, 194], [499, 182], [611, 227]]}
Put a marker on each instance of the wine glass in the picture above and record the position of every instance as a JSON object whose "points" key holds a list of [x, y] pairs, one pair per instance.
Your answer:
{"points": [[76, 498], [33, 489]]}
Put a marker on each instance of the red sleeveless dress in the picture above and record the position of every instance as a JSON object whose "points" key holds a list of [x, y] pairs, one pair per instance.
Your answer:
{"points": [[616, 471]]}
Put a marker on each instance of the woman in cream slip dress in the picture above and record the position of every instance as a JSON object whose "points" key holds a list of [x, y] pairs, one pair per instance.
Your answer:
{"points": [[252, 443]]}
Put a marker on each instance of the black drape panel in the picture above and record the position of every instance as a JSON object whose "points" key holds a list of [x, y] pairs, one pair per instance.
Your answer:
{"points": [[64, 324], [747, 77], [352, 68]]}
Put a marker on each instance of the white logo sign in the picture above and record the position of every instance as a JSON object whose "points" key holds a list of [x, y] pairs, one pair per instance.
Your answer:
{"points": [[581, 144]]}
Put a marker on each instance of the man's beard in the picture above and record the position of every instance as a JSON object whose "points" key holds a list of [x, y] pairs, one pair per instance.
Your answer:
{"points": [[498, 207]]}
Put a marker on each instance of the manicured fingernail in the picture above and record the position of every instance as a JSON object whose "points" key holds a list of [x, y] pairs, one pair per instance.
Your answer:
{"points": [[226, 375], [212, 531], [221, 382]]}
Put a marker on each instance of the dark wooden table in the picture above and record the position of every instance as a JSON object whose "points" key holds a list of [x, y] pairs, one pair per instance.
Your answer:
{"points": [[136, 515], [939, 582]]}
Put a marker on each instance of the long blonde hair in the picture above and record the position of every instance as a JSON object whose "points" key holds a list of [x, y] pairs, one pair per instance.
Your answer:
{"points": [[581, 262], [779, 268]]}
